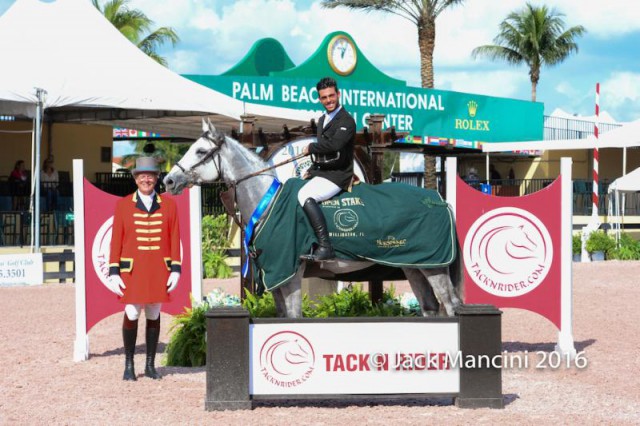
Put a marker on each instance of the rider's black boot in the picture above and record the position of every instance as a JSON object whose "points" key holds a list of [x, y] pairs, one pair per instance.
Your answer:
{"points": [[152, 335], [319, 225], [129, 335]]}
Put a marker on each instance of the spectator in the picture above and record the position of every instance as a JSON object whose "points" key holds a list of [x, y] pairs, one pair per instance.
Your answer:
{"points": [[50, 181], [493, 173], [18, 185]]}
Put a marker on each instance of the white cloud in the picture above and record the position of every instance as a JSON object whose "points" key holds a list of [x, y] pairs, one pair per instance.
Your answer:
{"points": [[621, 92], [507, 84]]}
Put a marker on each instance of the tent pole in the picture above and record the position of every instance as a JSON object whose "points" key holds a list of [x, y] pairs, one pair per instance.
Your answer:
{"points": [[40, 94], [486, 167]]}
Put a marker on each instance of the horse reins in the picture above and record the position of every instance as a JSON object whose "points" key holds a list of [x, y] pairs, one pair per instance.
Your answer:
{"points": [[228, 197], [209, 155]]}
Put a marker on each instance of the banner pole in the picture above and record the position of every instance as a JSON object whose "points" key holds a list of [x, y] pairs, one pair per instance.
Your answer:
{"points": [[565, 344], [451, 165], [195, 221], [81, 345]]}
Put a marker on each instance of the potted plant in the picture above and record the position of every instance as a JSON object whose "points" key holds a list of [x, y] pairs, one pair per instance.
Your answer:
{"points": [[598, 244], [576, 246]]}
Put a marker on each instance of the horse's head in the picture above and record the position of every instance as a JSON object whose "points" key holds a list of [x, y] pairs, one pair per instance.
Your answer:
{"points": [[201, 163]]}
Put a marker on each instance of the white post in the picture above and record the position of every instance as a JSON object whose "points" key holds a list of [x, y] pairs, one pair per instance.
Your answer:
{"points": [[81, 345], [452, 172], [486, 168], [195, 216], [565, 336]]}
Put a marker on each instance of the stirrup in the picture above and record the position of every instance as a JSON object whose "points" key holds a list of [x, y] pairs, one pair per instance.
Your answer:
{"points": [[312, 257]]}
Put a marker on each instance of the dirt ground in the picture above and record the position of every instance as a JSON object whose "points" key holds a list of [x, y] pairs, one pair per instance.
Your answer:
{"points": [[40, 383]]}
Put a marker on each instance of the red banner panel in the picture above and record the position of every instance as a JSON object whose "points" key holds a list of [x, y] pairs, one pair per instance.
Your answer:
{"points": [[99, 208], [511, 248]]}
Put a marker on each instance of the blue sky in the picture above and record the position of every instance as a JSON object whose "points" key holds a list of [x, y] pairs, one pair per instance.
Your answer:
{"points": [[217, 34]]}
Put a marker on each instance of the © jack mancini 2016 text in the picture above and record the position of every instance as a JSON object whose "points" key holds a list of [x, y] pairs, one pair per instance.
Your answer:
{"points": [[446, 361]]}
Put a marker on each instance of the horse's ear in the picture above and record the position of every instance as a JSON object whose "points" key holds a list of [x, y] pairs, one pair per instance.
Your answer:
{"points": [[212, 128]]}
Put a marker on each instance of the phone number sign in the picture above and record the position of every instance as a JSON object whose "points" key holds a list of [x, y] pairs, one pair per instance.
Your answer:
{"points": [[16, 269]]}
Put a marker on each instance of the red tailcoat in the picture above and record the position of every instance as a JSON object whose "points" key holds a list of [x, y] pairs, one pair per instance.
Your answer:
{"points": [[145, 248]]}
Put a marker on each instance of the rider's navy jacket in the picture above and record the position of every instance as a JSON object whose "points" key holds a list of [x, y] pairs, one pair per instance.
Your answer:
{"points": [[333, 153]]}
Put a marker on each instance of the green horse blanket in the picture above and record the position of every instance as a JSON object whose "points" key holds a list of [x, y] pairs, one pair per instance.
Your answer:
{"points": [[391, 224]]}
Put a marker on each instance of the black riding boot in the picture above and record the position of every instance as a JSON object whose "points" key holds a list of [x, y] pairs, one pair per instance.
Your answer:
{"points": [[319, 225], [129, 335], [152, 335]]}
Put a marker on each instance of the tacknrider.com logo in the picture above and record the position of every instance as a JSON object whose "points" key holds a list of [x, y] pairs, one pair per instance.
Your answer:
{"points": [[508, 252], [287, 359]]}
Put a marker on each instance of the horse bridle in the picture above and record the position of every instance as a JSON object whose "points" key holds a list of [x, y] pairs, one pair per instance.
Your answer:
{"points": [[190, 172]]}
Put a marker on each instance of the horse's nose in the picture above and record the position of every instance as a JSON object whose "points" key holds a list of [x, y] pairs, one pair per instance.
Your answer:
{"points": [[168, 182]]}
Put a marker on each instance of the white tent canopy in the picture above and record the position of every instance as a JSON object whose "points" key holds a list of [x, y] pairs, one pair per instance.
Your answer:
{"points": [[90, 72], [63, 61], [620, 187], [627, 183]]}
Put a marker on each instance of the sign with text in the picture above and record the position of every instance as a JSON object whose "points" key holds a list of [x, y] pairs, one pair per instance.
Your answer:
{"points": [[354, 358], [101, 302], [511, 248], [415, 110], [16, 269]]}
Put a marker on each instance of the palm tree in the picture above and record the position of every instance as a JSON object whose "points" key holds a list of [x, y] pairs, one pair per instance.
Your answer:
{"points": [[423, 14], [166, 153], [534, 36], [137, 27]]}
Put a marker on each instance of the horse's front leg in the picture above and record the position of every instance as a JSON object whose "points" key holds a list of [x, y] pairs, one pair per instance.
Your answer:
{"points": [[288, 297], [443, 288], [424, 294]]}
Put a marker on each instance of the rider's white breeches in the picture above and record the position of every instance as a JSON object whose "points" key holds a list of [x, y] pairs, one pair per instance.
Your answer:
{"points": [[151, 311], [319, 189]]}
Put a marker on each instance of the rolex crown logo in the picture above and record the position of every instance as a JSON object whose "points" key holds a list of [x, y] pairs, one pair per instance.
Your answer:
{"points": [[472, 106]]}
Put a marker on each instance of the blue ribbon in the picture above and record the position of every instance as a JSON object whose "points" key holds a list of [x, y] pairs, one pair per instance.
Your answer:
{"points": [[255, 217]]}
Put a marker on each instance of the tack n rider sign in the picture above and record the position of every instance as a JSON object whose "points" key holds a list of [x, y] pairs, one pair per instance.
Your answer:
{"points": [[100, 302], [508, 247]]}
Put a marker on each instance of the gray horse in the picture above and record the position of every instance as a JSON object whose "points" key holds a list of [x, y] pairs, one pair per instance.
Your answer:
{"points": [[214, 157]]}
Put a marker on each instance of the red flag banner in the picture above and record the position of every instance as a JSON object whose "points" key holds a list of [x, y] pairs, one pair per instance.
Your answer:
{"points": [[99, 208], [511, 248]]}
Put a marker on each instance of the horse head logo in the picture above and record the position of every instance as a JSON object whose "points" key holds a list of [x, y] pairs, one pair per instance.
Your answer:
{"points": [[345, 220], [508, 252], [287, 356]]}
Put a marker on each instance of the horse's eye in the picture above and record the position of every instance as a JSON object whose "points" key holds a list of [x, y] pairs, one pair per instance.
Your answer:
{"points": [[201, 152]]}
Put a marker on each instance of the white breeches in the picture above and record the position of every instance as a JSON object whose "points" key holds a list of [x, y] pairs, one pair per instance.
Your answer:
{"points": [[151, 311], [319, 189]]}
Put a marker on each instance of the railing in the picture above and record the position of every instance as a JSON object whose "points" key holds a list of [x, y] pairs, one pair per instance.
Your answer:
{"points": [[582, 194], [56, 227]]}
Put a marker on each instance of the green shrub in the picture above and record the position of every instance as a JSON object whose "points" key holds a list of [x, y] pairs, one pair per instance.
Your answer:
{"points": [[259, 306], [215, 242], [628, 249], [187, 346], [576, 243], [599, 241], [353, 302]]}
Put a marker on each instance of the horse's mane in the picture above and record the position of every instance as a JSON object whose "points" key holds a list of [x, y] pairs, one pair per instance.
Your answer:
{"points": [[252, 158]]}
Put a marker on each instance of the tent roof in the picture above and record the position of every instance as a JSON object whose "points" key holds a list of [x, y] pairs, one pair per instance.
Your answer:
{"points": [[92, 73], [627, 135], [627, 183]]}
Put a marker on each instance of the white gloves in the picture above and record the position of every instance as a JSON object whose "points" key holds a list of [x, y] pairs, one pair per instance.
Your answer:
{"points": [[116, 285], [172, 282]]}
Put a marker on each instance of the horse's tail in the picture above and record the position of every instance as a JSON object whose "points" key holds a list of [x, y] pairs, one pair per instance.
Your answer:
{"points": [[456, 272], [456, 268]]}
